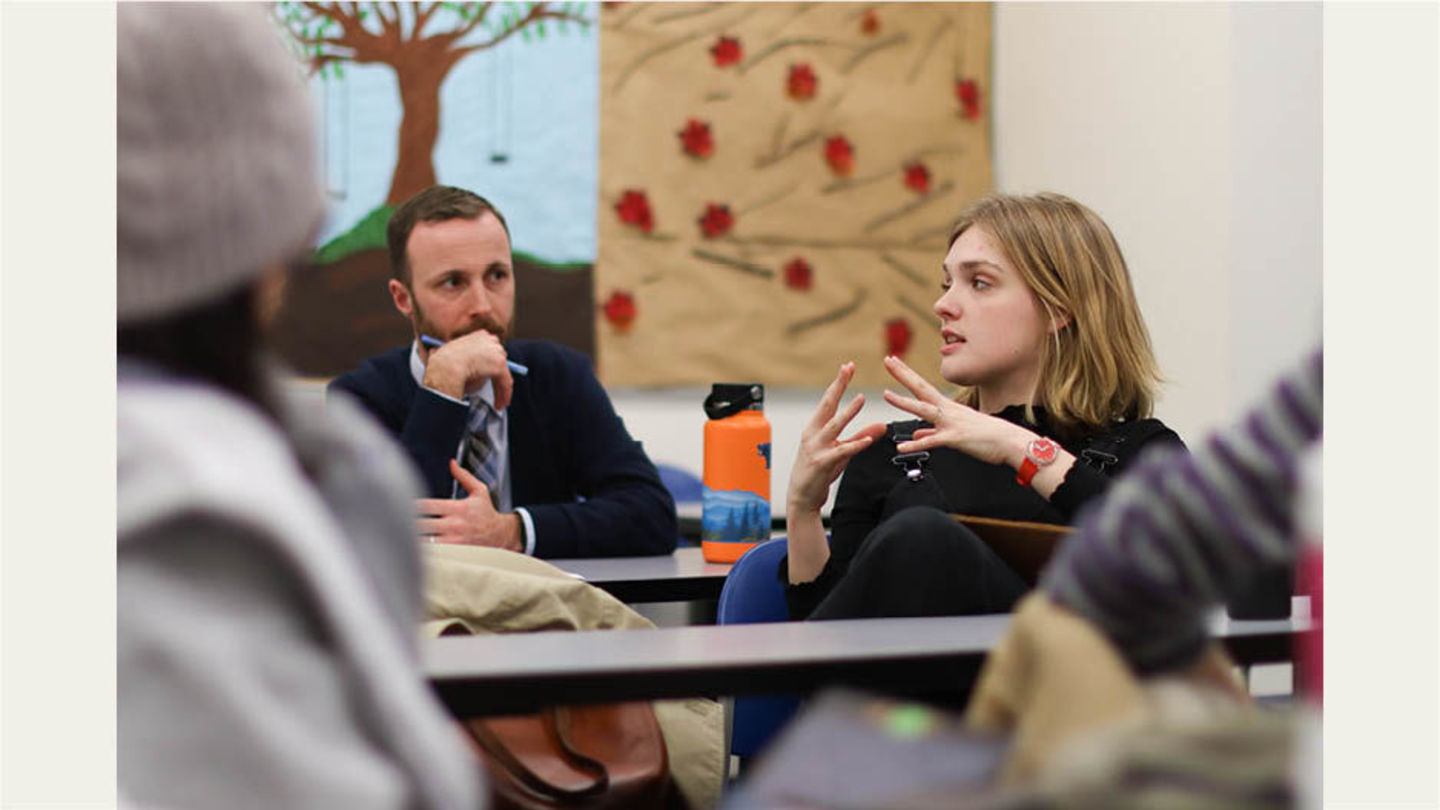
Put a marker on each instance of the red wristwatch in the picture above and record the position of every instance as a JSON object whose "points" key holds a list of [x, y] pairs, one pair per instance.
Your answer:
{"points": [[1038, 453]]}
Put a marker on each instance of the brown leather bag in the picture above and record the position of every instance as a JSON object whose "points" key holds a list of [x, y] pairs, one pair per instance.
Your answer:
{"points": [[591, 757], [585, 757]]}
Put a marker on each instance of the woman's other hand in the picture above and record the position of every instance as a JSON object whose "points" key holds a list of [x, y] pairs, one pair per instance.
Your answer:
{"points": [[961, 427], [822, 455]]}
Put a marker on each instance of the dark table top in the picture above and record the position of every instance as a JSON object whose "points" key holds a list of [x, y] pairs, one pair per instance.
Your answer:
{"points": [[479, 675], [680, 577]]}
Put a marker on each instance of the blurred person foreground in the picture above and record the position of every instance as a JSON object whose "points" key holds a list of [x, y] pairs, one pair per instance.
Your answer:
{"points": [[268, 583]]}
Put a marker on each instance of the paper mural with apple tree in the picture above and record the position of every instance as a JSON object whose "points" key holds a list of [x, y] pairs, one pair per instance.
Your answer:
{"points": [[777, 182]]}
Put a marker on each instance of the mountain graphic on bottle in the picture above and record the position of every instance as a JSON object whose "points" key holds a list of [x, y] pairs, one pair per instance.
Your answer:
{"points": [[732, 516]]}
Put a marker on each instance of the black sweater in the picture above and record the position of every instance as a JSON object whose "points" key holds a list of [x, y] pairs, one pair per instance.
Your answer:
{"points": [[870, 488]]}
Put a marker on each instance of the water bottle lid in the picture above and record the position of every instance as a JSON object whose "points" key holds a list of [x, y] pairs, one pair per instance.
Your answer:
{"points": [[728, 399]]}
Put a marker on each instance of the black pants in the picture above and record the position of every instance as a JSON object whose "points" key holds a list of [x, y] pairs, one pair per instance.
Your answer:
{"points": [[920, 562]]}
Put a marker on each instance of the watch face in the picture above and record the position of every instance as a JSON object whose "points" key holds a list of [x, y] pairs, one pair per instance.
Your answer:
{"points": [[1043, 451]]}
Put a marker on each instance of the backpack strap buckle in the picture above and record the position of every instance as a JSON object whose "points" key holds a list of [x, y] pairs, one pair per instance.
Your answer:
{"points": [[911, 463], [1100, 461]]}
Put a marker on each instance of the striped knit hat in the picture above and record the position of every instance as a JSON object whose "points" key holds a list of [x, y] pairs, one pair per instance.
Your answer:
{"points": [[215, 154]]}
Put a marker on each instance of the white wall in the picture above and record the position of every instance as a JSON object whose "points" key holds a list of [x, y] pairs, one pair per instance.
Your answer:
{"points": [[1275, 191], [1125, 108], [1195, 131]]}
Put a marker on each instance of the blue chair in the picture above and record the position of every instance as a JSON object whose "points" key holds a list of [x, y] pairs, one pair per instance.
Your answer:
{"points": [[684, 486], [753, 594]]}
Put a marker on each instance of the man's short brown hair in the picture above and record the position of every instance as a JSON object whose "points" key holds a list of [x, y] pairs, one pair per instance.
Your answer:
{"points": [[434, 204]]}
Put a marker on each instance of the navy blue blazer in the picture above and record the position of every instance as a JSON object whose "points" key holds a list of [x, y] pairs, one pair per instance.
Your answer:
{"points": [[588, 486]]}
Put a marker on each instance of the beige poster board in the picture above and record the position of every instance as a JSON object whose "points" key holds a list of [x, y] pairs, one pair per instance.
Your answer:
{"points": [[777, 185]]}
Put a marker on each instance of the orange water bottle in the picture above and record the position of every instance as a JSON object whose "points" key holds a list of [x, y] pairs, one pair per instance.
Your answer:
{"points": [[735, 506]]}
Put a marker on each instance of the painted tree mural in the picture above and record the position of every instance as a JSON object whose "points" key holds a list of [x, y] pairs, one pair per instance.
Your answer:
{"points": [[408, 65], [422, 47]]}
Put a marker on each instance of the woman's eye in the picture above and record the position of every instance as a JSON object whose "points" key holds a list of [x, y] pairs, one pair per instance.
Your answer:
{"points": [[945, 283], [980, 283]]}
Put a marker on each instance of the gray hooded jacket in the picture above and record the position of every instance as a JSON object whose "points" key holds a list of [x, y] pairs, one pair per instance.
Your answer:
{"points": [[268, 589]]}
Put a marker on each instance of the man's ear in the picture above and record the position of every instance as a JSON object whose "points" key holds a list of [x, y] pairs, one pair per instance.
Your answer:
{"points": [[400, 294]]}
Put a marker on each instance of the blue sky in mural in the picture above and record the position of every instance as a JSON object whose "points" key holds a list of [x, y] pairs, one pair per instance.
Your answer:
{"points": [[532, 104]]}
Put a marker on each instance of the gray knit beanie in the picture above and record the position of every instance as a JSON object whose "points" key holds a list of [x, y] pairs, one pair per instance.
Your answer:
{"points": [[215, 157]]}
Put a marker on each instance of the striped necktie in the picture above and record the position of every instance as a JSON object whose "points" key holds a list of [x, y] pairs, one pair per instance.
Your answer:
{"points": [[482, 437]]}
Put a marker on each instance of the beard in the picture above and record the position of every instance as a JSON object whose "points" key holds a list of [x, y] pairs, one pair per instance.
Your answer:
{"points": [[425, 326]]}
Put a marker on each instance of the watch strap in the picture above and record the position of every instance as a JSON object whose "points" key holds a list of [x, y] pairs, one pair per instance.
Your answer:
{"points": [[1038, 453]]}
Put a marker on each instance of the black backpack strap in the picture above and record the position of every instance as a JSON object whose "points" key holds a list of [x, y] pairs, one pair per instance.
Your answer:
{"points": [[912, 463], [1102, 452]]}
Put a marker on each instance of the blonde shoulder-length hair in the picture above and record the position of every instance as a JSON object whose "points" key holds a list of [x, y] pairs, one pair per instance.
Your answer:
{"points": [[1098, 368]]}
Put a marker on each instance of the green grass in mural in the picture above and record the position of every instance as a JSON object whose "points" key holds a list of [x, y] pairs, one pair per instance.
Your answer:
{"points": [[554, 267], [369, 234]]}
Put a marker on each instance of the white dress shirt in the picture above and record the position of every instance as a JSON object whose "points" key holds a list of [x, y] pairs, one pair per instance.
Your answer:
{"points": [[486, 394]]}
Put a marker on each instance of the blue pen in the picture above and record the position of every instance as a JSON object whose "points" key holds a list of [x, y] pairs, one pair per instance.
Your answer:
{"points": [[515, 368]]}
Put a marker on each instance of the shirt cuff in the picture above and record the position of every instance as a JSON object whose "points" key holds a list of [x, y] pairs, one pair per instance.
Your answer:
{"points": [[529, 530], [444, 396]]}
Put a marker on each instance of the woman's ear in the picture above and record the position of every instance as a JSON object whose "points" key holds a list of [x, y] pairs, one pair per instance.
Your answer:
{"points": [[1059, 320]]}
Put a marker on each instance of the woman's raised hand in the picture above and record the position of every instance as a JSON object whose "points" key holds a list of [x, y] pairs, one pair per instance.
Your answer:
{"points": [[822, 455], [987, 438]]}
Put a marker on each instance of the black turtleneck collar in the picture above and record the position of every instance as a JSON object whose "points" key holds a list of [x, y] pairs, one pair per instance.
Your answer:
{"points": [[1016, 414]]}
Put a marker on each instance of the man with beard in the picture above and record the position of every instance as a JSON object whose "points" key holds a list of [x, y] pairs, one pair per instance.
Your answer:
{"points": [[537, 463]]}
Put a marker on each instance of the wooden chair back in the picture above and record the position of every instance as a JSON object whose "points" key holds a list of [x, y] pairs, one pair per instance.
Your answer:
{"points": [[1024, 546]]}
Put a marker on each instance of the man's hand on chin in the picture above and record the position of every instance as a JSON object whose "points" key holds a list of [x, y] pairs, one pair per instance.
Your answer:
{"points": [[465, 363], [472, 521]]}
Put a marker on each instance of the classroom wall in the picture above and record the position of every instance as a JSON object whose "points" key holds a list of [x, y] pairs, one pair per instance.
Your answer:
{"points": [[1195, 131], [1275, 191]]}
